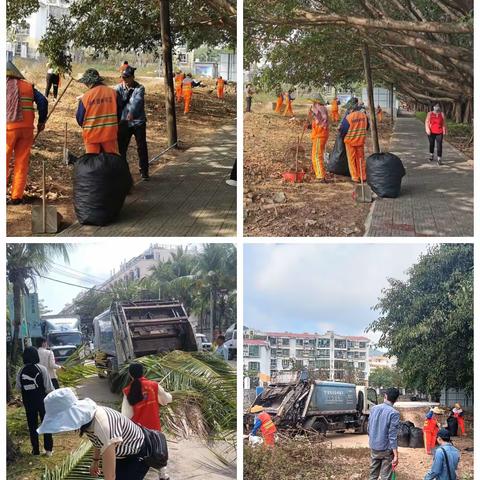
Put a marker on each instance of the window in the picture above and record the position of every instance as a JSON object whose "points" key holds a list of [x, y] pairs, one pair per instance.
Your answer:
{"points": [[323, 342], [245, 350], [361, 365], [182, 58], [285, 364], [350, 344], [272, 340], [311, 364], [311, 342], [299, 363], [323, 353], [273, 352], [362, 345], [340, 344], [322, 364], [273, 363], [285, 342], [340, 354], [254, 366], [253, 350], [299, 341]]}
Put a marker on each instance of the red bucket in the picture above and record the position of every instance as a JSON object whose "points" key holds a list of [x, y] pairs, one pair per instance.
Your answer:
{"points": [[293, 177]]}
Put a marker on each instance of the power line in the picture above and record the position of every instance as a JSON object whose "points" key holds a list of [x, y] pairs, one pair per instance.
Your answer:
{"points": [[68, 268], [75, 285]]}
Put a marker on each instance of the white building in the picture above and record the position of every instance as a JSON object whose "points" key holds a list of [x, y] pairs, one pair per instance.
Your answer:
{"points": [[336, 357], [26, 40], [256, 360], [381, 361]]}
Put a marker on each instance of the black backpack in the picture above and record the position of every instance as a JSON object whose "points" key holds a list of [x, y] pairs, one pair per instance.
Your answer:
{"points": [[156, 450]]}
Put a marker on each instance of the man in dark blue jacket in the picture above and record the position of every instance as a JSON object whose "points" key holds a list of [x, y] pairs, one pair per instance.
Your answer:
{"points": [[133, 120]]}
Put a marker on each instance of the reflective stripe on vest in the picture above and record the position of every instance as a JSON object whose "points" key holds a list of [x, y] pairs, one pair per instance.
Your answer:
{"points": [[358, 128], [25, 91], [318, 131], [101, 122], [178, 81], [268, 427]]}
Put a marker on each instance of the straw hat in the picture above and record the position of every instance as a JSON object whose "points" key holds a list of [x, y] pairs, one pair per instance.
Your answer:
{"points": [[64, 412], [13, 71], [256, 409], [437, 411]]}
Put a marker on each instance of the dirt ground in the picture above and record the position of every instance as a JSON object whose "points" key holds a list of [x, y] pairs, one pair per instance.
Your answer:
{"points": [[207, 114], [414, 463], [273, 207], [190, 458]]}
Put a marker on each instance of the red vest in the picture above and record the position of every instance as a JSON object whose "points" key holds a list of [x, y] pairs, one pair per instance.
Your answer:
{"points": [[267, 427], [101, 122], [436, 122], [147, 411], [25, 91], [430, 425]]}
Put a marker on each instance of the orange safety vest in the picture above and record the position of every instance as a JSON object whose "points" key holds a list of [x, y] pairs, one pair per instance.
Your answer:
{"points": [[178, 80], [357, 132], [334, 105], [25, 91], [268, 427], [318, 131], [187, 86], [147, 412], [430, 425], [101, 121], [220, 83]]}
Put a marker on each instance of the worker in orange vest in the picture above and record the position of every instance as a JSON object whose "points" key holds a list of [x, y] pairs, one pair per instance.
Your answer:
{"points": [[179, 77], [263, 422], [430, 429], [188, 85], [21, 95], [141, 402], [123, 67], [353, 130], [98, 114], [460, 416], [289, 98], [334, 110], [379, 114], [318, 116], [220, 84], [279, 93]]}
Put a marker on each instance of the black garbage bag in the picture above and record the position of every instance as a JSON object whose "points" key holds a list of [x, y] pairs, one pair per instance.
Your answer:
{"points": [[410, 424], [337, 162], [384, 174], [403, 437], [416, 438], [100, 184], [452, 426]]}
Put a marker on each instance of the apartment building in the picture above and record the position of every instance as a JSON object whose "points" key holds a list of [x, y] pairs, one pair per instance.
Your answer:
{"points": [[334, 357], [256, 360], [379, 360]]}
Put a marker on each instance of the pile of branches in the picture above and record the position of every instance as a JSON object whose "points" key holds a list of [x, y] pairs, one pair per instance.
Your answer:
{"points": [[307, 457]]}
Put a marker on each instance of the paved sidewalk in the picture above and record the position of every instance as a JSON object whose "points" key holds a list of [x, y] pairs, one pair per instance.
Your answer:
{"points": [[186, 197], [435, 201]]}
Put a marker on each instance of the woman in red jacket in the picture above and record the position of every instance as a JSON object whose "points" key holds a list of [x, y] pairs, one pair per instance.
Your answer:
{"points": [[436, 128], [141, 403]]}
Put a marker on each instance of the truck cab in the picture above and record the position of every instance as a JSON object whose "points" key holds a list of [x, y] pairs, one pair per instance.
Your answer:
{"points": [[63, 335], [231, 341]]}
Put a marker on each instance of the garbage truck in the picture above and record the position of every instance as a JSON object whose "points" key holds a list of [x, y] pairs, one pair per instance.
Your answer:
{"points": [[63, 335], [133, 329], [317, 405]]}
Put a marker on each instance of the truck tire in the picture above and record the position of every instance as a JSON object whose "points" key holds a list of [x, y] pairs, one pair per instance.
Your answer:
{"points": [[321, 426]]}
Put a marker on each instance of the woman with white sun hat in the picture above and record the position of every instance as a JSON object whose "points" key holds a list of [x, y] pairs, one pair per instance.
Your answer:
{"points": [[125, 449]]}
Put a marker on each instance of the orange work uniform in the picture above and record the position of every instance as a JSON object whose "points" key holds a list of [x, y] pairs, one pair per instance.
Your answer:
{"points": [[319, 138], [147, 411], [178, 86], [220, 87], [355, 144], [379, 115], [288, 107], [278, 106], [335, 116], [100, 124], [187, 88], [430, 430], [20, 140], [461, 420], [267, 428]]}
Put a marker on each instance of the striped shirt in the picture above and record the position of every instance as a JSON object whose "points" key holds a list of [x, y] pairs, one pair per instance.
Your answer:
{"points": [[111, 427]]}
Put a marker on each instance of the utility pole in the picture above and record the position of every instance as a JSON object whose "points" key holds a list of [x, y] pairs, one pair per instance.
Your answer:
{"points": [[168, 72], [371, 100]]}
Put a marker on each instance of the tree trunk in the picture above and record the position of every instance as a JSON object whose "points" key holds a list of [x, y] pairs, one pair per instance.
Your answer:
{"points": [[468, 114], [391, 104], [371, 101], [12, 450], [458, 112], [168, 72], [17, 320]]}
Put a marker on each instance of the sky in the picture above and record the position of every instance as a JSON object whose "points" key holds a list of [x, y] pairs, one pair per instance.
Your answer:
{"points": [[88, 260], [314, 288]]}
